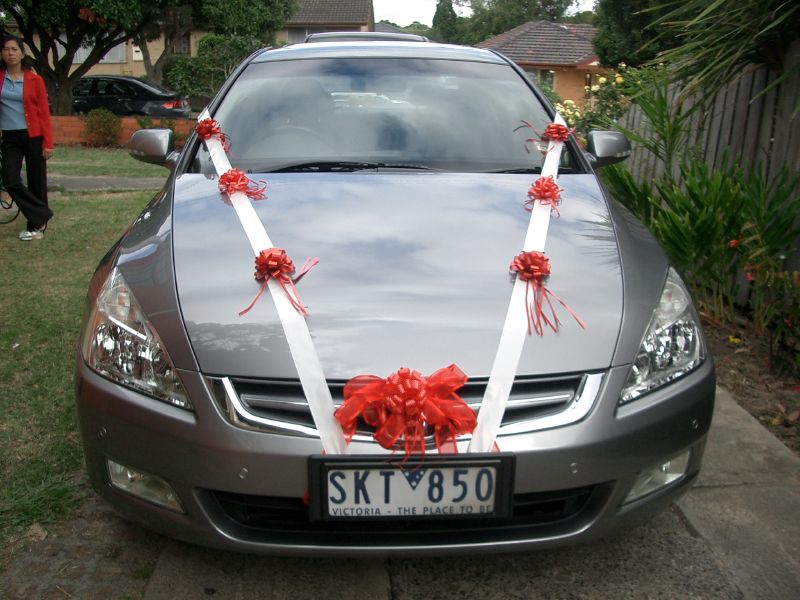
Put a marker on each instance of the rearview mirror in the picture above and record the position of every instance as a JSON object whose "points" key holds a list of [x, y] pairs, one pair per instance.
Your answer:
{"points": [[606, 148], [154, 146]]}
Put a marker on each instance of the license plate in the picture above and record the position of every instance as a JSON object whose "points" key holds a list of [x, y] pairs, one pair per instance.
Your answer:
{"points": [[457, 486]]}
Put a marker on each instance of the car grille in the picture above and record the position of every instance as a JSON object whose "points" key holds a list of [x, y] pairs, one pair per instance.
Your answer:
{"points": [[286, 520], [279, 406]]}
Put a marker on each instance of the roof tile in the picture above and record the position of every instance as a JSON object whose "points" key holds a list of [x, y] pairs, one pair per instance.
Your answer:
{"points": [[544, 42], [331, 12]]}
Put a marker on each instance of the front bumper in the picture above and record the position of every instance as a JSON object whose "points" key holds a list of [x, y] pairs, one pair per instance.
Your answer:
{"points": [[242, 490]]}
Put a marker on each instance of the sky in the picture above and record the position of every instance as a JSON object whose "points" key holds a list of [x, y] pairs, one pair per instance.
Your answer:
{"points": [[405, 12]]}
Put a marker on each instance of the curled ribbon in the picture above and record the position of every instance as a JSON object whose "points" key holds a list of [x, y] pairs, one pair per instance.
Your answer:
{"points": [[403, 404], [274, 263], [534, 267], [546, 191], [208, 128], [236, 181]]}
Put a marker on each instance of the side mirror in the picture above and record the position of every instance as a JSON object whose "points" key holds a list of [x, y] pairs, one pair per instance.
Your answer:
{"points": [[154, 146], [606, 148]]}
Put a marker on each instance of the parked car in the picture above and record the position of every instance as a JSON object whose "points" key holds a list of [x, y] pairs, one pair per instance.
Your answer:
{"points": [[194, 419], [127, 96]]}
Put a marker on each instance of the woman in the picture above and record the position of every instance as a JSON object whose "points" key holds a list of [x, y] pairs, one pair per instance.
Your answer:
{"points": [[26, 131]]}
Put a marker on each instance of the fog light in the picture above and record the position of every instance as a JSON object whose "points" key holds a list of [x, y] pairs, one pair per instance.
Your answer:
{"points": [[143, 485], [658, 476]]}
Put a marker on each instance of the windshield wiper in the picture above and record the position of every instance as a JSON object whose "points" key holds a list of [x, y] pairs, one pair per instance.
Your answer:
{"points": [[321, 166], [518, 170]]}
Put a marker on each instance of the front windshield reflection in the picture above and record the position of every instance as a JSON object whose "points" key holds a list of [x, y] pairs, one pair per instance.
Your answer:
{"points": [[435, 114]]}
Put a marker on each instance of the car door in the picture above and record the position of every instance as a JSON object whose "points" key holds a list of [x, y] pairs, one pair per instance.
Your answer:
{"points": [[117, 96], [82, 96]]}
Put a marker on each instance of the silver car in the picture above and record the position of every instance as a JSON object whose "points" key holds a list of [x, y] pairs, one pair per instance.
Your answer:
{"points": [[406, 168]]}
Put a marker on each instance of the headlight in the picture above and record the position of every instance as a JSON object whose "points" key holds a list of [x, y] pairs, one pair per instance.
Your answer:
{"points": [[119, 343], [672, 345]]}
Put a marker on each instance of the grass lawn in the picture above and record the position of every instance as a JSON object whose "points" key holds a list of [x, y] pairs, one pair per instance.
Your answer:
{"points": [[42, 297], [93, 162]]}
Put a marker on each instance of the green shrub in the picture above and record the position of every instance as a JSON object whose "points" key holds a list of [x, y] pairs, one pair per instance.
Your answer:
{"points": [[144, 122], [101, 127]]}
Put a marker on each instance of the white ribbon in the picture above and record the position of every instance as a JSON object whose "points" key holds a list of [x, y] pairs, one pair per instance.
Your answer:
{"points": [[295, 328], [515, 328]]}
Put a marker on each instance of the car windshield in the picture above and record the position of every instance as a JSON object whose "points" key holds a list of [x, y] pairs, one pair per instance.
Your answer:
{"points": [[354, 113]]}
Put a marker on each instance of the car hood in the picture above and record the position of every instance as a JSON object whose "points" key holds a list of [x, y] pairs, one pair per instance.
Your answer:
{"points": [[413, 271]]}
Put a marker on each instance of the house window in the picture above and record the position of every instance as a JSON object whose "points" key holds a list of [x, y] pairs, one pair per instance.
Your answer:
{"points": [[544, 77], [117, 55], [183, 45], [298, 34]]}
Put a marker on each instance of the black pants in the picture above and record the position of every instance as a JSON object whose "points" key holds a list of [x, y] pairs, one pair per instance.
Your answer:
{"points": [[32, 200]]}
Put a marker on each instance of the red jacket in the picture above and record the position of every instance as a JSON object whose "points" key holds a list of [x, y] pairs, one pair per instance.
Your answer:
{"points": [[34, 103]]}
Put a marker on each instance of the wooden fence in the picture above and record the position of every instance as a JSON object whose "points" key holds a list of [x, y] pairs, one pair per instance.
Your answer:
{"points": [[755, 128]]}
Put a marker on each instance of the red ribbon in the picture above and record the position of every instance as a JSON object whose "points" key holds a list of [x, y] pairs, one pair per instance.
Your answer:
{"points": [[553, 132], [546, 191], [403, 404], [274, 263], [557, 133], [236, 181], [208, 128], [534, 267]]}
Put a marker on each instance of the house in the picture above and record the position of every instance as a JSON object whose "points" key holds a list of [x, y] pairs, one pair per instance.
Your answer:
{"points": [[319, 16], [558, 55], [311, 16]]}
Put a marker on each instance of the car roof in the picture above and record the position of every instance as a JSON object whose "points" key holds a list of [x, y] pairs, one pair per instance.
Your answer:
{"points": [[378, 49], [126, 77], [375, 36]]}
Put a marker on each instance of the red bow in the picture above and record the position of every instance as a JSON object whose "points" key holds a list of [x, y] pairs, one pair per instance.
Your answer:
{"points": [[534, 268], [404, 403], [546, 191], [236, 181], [274, 263], [208, 128], [557, 133], [553, 132]]}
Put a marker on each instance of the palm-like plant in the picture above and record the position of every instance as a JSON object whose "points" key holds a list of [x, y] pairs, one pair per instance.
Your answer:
{"points": [[722, 39]]}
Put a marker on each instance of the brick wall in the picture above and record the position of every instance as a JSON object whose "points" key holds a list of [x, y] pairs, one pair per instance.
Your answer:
{"points": [[68, 131]]}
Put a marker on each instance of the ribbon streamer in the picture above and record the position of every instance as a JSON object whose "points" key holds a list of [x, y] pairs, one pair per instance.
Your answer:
{"points": [[274, 263], [404, 404], [295, 328], [533, 268], [515, 327]]}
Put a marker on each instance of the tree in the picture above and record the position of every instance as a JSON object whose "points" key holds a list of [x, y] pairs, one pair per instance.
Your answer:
{"points": [[238, 28], [217, 57], [586, 17], [624, 34], [258, 19], [445, 22], [418, 28], [492, 17], [717, 40], [54, 31], [175, 23]]}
